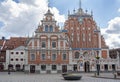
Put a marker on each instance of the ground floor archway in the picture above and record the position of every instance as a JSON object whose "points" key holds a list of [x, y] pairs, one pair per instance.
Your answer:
{"points": [[106, 67], [10, 67], [87, 66], [17, 67], [75, 67], [113, 67]]}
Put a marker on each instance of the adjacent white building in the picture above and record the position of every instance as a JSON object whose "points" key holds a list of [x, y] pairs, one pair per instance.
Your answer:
{"points": [[15, 59]]}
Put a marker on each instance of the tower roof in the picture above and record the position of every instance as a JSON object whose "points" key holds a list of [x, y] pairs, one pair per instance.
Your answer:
{"points": [[80, 12], [49, 13]]}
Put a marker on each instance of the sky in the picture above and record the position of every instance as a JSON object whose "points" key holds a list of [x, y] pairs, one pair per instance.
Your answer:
{"points": [[21, 17]]}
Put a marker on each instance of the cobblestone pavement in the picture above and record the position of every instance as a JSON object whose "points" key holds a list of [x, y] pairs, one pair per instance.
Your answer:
{"points": [[21, 77]]}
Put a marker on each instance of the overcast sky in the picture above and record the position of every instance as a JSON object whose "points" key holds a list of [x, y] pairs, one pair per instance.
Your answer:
{"points": [[21, 17]]}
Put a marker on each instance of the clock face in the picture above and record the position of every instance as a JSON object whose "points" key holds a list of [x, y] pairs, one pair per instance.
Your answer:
{"points": [[48, 18], [80, 19]]}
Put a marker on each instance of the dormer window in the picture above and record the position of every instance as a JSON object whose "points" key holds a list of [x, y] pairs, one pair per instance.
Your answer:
{"points": [[46, 28]]}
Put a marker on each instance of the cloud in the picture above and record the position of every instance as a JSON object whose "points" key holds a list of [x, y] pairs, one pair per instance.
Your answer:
{"points": [[112, 33], [22, 17], [114, 26]]}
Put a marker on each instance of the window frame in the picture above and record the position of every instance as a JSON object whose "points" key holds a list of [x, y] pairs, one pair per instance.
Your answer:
{"points": [[51, 27], [78, 55], [46, 28], [43, 44], [63, 56], [54, 46], [54, 67], [53, 59], [43, 59], [43, 67], [32, 59]]}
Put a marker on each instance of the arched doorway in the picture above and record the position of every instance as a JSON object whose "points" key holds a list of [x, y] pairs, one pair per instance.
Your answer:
{"points": [[1, 67], [10, 67], [17, 67], [87, 66]]}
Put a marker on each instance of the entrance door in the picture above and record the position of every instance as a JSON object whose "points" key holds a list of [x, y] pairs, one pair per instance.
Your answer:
{"points": [[32, 68], [10, 67], [87, 66], [64, 68], [106, 67], [23, 67], [1, 67], [113, 67], [17, 67], [75, 67]]}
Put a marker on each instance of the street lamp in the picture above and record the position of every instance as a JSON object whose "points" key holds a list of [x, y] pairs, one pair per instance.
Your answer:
{"points": [[97, 64]]}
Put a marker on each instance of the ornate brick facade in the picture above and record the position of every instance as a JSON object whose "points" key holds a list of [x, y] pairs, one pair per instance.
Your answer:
{"points": [[48, 50], [87, 43]]}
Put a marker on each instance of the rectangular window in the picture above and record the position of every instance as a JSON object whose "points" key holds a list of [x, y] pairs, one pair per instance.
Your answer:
{"points": [[54, 67], [43, 44], [51, 29], [53, 44], [43, 67], [46, 28], [64, 57], [53, 57], [32, 57], [43, 56]]}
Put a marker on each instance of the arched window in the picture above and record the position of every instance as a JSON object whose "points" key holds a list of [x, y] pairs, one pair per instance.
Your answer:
{"points": [[46, 28], [77, 55], [51, 28]]}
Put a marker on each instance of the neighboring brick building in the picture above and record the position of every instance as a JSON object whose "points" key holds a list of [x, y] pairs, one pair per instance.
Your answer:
{"points": [[115, 54], [7, 45], [2, 53], [48, 50], [15, 53]]}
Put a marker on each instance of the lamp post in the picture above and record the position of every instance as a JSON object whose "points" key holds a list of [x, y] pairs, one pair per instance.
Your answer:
{"points": [[97, 64]]}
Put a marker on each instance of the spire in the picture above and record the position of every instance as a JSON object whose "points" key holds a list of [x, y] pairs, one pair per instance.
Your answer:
{"points": [[80, 8], [49, 12], [48, 3], [91, 13], [79, 4]]}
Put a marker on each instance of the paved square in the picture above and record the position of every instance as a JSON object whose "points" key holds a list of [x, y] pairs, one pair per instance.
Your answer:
{"points": [[21, 77]]}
